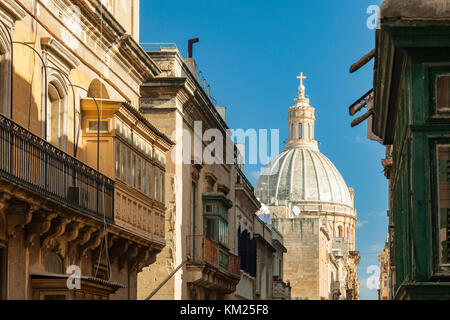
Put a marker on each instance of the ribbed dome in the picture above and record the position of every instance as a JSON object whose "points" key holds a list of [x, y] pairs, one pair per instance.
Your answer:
{"points": [[302, 175]]}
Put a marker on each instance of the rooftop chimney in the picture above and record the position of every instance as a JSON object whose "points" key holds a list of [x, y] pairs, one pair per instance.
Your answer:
{"points": [[190, 61]]}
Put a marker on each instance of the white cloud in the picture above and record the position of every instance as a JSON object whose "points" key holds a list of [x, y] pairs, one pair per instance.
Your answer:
{"points": [[376, 247], [360, 224]]}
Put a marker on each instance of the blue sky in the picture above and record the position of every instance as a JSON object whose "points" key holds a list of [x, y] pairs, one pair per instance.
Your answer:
{"points": [[251, 52]]}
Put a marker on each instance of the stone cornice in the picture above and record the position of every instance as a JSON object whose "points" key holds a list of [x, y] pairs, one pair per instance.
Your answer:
{"points": [[57, 48], [11, 12], [111, 29]]}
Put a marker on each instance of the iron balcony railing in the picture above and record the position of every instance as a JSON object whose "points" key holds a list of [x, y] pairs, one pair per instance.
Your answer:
{"points": [[202, 250], [38, 166]]}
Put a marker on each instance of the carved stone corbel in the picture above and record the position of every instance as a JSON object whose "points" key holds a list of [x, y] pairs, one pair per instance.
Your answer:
{"points": [[141, 257], [4, 205], [94, 242], [83, 237], [71, 233], [131, 253], [40, 224], [57, 229], [18, 215], [119, 248], [111, 240]]}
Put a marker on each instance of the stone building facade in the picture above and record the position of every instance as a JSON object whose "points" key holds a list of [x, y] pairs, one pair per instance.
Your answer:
{"points": [[385, 273], [409, 115], [313, 209], [201, 214], [82, 172]]}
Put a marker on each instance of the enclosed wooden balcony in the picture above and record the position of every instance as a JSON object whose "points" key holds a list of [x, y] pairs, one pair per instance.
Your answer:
{"points": [[212, 266]]}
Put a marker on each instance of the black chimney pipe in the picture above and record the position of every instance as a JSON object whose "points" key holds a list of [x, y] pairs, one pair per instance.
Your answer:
{"points": [[191, 46]]}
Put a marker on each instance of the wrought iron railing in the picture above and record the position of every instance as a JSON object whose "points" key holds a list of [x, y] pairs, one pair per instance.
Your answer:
{"points": [[202, 250], [36, 165]]}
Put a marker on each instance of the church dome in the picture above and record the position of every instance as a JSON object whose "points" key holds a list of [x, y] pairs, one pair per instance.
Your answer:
{"points": [[302, 176]]}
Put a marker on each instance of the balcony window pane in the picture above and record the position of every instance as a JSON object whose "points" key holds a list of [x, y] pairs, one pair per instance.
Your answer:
{"points": [[134, 171], [162, 187], [129, 167], [139, 174], [210, 228], [156, 186], [144, 177], [149, 181], [117, 160], [123, 163]]}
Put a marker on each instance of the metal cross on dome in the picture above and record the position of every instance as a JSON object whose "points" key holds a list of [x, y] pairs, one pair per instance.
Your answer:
{"points": [[301, 77]]}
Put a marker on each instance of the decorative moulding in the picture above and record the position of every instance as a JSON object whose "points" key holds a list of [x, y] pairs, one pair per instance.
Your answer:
{"points": [[59, 53], [10, 12]]}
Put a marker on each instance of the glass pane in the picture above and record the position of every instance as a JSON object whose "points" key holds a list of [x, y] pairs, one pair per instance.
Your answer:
{"points": [[144, 177], [444, 201], [129, 167], [117, 160], [139, 174], [134, 171], [443, 92], [162, 187], [149, 181], [156, 186], [123, 163], [210, 228]]}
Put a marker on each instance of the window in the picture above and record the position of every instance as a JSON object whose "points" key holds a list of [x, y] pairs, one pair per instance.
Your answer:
{"points": [[117, 162], [5, 73], [210, 228], [123, 165], [223, 232], [443, 92], [57, 118], [156, 185], [292, 131], [139, 174], [149, 181], [129, 175], [94, 124], [145, 176], [163, 194], [339, 232], [215, 215], [133, 171], [443, 153], [300, 130]]}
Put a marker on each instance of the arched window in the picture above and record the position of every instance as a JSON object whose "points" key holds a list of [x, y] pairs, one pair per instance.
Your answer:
{"points": [[5, 72], [339, 233], [57, 112], [292, 131], [300, 130]]}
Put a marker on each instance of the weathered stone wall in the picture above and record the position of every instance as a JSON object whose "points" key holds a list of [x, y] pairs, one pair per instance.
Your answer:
{"points": [[301, 263]]}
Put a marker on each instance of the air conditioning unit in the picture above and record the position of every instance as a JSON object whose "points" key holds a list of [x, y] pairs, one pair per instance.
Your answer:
{"points": [[79, 196]]}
